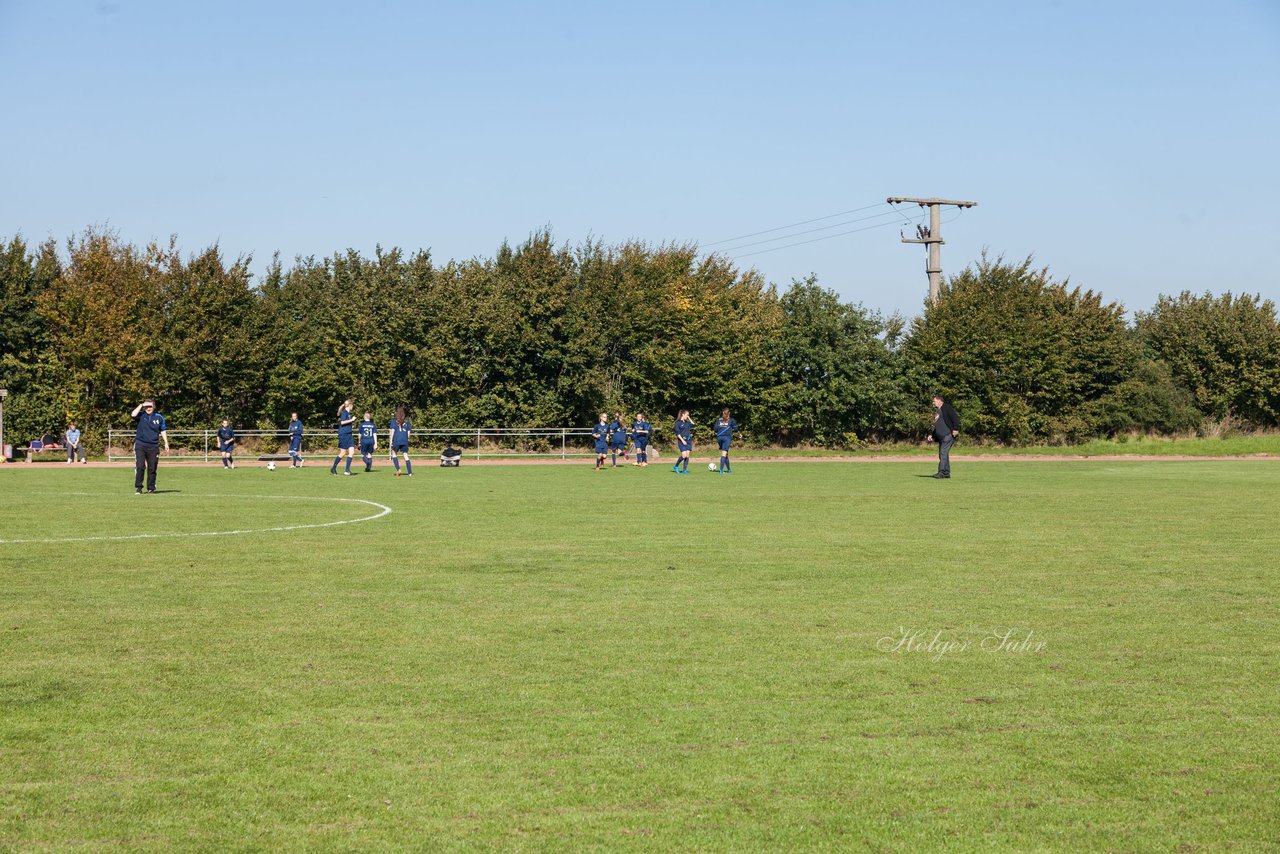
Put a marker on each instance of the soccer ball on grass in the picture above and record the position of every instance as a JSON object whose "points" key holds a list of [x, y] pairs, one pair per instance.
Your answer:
{"points": [[711, 467], [271, 466]]}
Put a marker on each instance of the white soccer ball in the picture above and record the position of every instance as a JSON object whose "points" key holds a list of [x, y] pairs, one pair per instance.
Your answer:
{"points": [[711, 467], [271, 466]]}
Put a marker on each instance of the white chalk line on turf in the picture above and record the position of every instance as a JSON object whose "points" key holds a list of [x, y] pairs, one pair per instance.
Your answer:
{"points": [[383, 510]]}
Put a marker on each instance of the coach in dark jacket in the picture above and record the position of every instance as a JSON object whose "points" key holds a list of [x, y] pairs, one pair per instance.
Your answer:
{"points": [[946, 427], [146, 445]]}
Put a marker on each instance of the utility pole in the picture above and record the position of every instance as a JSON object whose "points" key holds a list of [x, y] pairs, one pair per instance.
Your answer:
{"points": [[931, 237]]}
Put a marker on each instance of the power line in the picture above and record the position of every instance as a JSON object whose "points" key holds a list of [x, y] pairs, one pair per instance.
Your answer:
{"points": [[931, 236], [816, 239], [809, 231], [909, 220], [951, 218], [794, 224]]}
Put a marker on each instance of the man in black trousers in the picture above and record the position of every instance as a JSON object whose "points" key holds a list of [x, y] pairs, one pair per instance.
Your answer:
{"points": [[946, 427], [146, 444]]}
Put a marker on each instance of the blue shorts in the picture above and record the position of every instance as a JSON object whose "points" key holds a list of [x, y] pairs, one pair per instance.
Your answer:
{"points": [[400, 448], [346, 441], [366, 447], [724, 444], [615, 447], [602, 447], [295, 447], [642, 442], [683, 445], [227, 447]]}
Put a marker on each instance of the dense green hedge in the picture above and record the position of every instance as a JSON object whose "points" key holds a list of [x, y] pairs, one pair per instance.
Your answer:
{"points": [[549, 335]]}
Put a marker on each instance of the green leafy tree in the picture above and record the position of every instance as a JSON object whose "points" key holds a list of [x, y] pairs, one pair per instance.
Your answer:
{"points": [[546, 335], [837, 374], [1024, 357], [514, 333], [1149, 401], [104, 320], [295, 305], [440, 367], [28, 367], [207, 362], [1225, 349], [713, 350]]}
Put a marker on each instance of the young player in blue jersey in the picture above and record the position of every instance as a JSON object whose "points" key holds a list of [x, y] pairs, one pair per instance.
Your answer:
{"points": [[641, 429], [600, 432], [724, 429], [399, 437], [295, 441], [368, 440], [346, 437], [617, 440], [227, 444], [684, 441]]}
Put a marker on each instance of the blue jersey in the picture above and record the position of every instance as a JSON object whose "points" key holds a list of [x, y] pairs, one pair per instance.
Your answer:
{"points": [[150, 426], [684, 432], [617, 434], [295, 435], [399, 434], [368, 432], [640, 431], [346, 420], [226, 434], [724, 431]]}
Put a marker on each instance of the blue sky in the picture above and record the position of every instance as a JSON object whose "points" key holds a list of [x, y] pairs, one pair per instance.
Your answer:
{"points": [[1129, 146]]}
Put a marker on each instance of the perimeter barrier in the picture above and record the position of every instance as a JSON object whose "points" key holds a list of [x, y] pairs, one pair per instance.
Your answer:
{"points": [[475, 443]]}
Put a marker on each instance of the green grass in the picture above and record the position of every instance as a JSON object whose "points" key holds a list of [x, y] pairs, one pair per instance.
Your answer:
{"points": [[1240, 446], [548, 658], [1248, 445]]}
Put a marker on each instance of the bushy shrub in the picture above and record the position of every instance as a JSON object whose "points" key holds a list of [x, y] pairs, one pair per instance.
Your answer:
{"points": [[1024, 357]]}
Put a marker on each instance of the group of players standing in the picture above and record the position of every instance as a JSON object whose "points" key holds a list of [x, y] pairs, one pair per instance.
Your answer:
{"points": [[611, 439], [610, 434], [397, 437]]}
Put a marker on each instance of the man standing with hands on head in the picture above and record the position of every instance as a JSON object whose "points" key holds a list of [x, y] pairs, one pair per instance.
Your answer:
{"points": [[146, 444], [946, 427]]}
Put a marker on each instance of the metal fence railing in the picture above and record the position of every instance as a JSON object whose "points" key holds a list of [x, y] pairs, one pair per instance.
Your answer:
{"points": [[474, 442]]}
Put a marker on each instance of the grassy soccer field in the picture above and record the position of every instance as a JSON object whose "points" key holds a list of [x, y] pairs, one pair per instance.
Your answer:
{"points": [[798, 655]]}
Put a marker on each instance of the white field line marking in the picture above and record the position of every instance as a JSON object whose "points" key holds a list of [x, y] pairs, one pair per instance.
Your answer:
{"points": [[383, 510]]}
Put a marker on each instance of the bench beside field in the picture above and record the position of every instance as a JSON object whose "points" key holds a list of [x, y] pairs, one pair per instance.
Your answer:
{"points": [[37, 454]]}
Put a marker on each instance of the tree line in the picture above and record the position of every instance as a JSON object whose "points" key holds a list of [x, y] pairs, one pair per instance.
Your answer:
{"points": [[544, 334]]}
